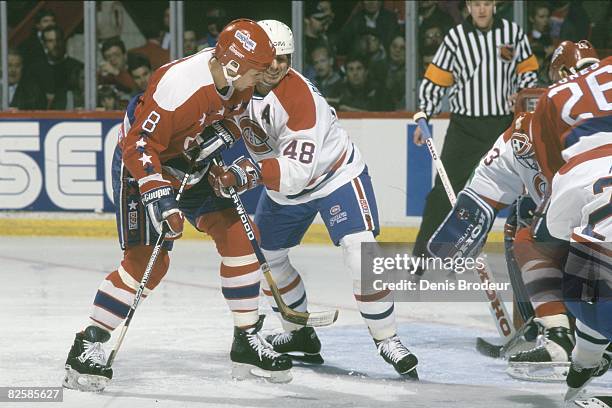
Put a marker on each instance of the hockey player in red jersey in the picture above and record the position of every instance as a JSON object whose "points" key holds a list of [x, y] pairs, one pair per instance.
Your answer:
{"points": [[572, 131], [175, 127]]}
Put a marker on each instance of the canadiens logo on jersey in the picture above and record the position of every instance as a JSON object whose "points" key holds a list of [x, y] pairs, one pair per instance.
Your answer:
{"points": [[521, 144], [254, 136]]}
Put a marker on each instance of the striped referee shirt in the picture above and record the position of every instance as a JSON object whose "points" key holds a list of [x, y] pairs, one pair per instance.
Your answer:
{"points": [[480, 69]]}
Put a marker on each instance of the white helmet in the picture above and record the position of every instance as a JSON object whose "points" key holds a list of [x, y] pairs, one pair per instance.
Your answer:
{"points": [[280, 35]]}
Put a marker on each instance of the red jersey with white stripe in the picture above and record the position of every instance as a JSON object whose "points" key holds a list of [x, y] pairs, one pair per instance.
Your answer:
{"points": [[582, 96], [295, 136], [179, 102]]}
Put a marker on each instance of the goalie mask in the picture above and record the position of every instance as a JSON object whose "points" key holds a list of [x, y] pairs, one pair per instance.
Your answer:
{"points": [[522, 145], [243, 45]]}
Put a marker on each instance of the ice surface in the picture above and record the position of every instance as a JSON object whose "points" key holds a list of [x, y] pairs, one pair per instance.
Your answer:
{"points": [[176, 353]]}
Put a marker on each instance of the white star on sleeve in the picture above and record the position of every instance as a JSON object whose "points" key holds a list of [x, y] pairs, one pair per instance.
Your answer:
{"points": [[141, 143], [133, 205], [145, 159]]}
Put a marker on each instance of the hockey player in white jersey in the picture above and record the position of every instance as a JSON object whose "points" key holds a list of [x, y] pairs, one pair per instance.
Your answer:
{"points": [[308, 165]]}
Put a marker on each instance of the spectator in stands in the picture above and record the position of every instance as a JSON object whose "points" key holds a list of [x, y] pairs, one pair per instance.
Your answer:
{"points": [[356, 93], [394, 85], [75, 97], [164, 34], [216, 19], [317, 18], [152, 49], [53, 73], [371, 49], [113, 70], [430, 12], [539, 24], [108, 98], [326, 78], [430, 36], [190, 42], [372, 15], [23, 94], [139, 68], [32, 49]]}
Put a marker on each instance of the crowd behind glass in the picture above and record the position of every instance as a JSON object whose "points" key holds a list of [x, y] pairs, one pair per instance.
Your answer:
{"points": [[354, 51]]}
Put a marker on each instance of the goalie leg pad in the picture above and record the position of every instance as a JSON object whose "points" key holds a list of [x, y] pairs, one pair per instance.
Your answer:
{"points": [[464, 230]]}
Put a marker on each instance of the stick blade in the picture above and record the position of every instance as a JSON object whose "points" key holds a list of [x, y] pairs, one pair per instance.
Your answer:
{"points": [[489, 349], [314, 319], [320, 319]]}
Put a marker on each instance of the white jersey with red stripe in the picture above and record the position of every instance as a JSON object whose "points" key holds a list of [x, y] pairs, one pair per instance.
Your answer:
{"points": [[510, 167], [295, 136]]}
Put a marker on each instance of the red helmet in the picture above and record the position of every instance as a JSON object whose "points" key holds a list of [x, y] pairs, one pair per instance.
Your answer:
{"points": [[243, 45], [570, 57]]}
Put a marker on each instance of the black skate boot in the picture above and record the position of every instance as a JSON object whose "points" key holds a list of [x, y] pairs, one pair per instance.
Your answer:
{"points": [[301, 345], [549, 360], [579, 377], [252, 356], [395, 353], [86, 363]]}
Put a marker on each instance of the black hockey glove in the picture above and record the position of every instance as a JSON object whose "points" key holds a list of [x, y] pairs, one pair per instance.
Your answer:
{"points": [[215, 138]]}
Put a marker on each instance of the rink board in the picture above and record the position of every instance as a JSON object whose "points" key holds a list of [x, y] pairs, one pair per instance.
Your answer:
{"points": [[59, 162]]}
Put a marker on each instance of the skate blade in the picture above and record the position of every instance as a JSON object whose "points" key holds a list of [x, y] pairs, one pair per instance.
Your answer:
{"points": [[84, 382], [306, 358], [411, 374], [242, 371], [538, 372]]}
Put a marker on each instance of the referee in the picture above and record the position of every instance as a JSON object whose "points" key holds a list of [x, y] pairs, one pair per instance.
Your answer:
{"points": [[484, 62]]}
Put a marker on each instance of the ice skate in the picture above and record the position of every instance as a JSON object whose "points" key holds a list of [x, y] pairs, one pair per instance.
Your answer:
{"points": [[252, 356], [549, 360], [579, 377], [86, 363], [395, 353], [301, 345]]}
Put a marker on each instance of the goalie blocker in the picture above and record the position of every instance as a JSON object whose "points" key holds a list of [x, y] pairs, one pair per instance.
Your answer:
{"points": [[464, 230]]}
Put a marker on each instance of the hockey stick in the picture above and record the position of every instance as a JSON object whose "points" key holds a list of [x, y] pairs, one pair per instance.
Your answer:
{"points": [[313, 319], [145, 277], [496, 304]]}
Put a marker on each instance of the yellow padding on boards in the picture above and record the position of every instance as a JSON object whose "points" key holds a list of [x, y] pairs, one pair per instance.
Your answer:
{"points": [[317, 233]]}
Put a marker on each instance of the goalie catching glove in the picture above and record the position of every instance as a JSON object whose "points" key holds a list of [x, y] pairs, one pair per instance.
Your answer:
{"points": [[214, 139], [243, 174], [164, 212]]}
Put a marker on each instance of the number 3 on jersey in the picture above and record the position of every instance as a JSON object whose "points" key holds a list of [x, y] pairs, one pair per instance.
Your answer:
{"points": [[301, 151]]}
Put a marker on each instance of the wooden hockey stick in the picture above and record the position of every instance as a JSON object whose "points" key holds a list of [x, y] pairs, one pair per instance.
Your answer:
{"points": [[500, 315], [145, 277], [313, 319]]}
